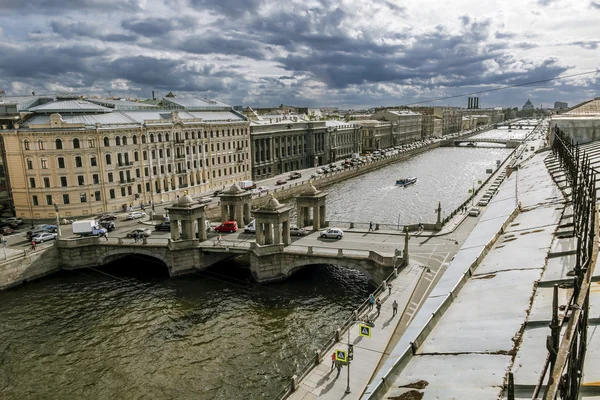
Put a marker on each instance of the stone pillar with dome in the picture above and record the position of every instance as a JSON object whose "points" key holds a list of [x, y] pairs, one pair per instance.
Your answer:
{"points": [[190, 216], [236, 205], [273, 224], [315, 200]]}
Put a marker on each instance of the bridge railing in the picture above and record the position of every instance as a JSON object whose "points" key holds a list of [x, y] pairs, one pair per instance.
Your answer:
{"points": [[336, 337], [566, 355]]}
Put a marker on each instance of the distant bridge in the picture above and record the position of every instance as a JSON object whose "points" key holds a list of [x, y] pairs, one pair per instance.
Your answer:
{"points": [[456, 142]]}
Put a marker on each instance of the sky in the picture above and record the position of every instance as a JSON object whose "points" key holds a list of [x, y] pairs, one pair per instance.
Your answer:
{"points": [[316, 53]]}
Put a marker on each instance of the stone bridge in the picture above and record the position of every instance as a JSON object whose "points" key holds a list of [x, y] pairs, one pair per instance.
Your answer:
{"points": [[456, 142]]}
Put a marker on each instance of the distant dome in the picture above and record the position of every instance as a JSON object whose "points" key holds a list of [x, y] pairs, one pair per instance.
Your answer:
{"points": [[185, 200], [272, 204], [311, 189], [234, 189]]}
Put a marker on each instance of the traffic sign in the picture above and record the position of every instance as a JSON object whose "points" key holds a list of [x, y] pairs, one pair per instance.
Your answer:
{"points": [[364, 330], [340, 355]]}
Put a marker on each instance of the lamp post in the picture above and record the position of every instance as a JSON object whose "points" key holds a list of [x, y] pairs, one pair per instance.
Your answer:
{"points": [[57, 220]]}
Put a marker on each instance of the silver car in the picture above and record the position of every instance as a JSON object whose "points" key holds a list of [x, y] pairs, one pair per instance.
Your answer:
{"points": [[135, 215], [44, 237], [332, 233]]}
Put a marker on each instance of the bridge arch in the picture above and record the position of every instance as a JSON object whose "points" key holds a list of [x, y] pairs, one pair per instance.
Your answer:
{"points": [[300, 264], [118, 253]]}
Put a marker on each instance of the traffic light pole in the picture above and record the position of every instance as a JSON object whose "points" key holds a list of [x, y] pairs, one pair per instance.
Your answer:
{"points": [[348, 384]]}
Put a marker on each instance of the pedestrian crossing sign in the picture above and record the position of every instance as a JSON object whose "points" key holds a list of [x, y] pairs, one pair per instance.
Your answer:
{"points": [[341, 355], [364, 330]]}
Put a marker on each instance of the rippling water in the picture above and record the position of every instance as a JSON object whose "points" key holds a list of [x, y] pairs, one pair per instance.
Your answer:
{"points": [[129, 332]]}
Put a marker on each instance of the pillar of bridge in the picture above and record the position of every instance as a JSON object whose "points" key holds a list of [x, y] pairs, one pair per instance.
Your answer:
{"points": [[187, 212], [235, 205], [273, 223], [315, 200]]}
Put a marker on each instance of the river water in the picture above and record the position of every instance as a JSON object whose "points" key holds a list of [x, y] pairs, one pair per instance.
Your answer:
{"points": [[127, 331]]}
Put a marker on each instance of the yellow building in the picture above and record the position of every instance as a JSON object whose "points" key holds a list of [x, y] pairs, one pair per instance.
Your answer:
{"points": [[89, 159]]}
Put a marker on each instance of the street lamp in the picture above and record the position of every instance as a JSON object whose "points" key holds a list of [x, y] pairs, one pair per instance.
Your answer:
{"points": [[57, 220]]}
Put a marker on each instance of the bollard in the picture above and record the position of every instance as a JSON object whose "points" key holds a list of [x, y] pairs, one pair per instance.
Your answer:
{"points": [[310, 250], [145, 240], [294, 383], [355, 315], [338, 335], [395, 272], [319, 357], [120, 241], [340, 252], [351, 225], [376, 227]]}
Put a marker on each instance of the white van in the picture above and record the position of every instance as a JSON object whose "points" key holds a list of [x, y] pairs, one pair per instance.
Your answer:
{"points": [[251, 227]]}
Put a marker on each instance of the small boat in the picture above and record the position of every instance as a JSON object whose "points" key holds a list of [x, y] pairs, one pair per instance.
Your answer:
{"points": [[406, 181]]}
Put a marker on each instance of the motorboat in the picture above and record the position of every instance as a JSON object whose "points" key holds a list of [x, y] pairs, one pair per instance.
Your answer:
{"points": [[406, 181]]}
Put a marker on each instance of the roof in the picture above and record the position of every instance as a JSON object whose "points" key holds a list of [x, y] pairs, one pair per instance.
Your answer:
{"points": [[193, 103], [69, 106], [588, 107], [121, 104]]}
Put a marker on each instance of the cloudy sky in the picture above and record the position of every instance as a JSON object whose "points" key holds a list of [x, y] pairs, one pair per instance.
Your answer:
{"points": [[344, 53]]}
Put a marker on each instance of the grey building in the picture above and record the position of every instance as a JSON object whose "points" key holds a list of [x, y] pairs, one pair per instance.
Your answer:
{"points": [[560, 104], [406, 125], [344, 139]]}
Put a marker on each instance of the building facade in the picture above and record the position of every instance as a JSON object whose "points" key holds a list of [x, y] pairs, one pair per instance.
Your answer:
{"points": [[281, 145], [344, 139], [375, 134], [406, 125], [560, 105], [89, 159], [528, 106]]}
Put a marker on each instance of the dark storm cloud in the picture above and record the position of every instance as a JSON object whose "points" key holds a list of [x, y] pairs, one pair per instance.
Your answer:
{"points": [[45, 62], [217, 44], [56, 7], [70, 30], [156, 26], [229, 8]]}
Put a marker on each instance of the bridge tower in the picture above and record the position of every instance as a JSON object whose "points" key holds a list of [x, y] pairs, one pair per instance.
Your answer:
{"points": [[273, 223], [235, 205], [313, 199], [190, 215]]}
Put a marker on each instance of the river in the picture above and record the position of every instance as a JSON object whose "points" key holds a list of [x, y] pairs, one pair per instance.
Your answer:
{"points": [[127, 331]]}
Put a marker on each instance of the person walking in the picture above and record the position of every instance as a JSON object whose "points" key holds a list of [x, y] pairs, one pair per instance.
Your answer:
{"points": [[33, 245], [219, 238], [370, 226], [106, 236], [371, 301], [378, 305], [390, 288], [332, 360], [394, 308]]}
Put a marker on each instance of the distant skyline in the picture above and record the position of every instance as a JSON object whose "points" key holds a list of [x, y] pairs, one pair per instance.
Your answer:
{"points": [[306, 53]]}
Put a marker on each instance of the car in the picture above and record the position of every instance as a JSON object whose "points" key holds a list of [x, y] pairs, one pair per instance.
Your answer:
{"points": [[314, 175], [108, 225], [106, 217], [33, 233], [474, 212], [44, 237], [332, 165], [325, 170], [256, 191], [163, 226], [281, 182], [335, 233], [263, 189], [11, 224], [295, 175], [144, 232], [251, 227], [14, 220], [483, 202], [6, 230], [296, 231], [227, 226], [205, 200], [135, 215], [218, 192], [319, 171]]}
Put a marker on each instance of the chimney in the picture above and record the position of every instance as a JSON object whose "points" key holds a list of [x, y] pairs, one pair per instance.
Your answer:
{"points": [[476, 102], [469, 104], [153, 98]]}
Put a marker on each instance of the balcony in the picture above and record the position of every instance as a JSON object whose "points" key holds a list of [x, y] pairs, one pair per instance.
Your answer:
{"points": [[181, 171], [127, 182], [125, 165], [179, 141], [179, 156]]}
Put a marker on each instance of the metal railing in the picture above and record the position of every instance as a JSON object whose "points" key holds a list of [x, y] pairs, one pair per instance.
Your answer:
{"points": [[566, 357]]}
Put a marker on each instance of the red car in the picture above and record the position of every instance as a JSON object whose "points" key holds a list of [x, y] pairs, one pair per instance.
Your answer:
{"points": [[227, 226], [281, 182]]}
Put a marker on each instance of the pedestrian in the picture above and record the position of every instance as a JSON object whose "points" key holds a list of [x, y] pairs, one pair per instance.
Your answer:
{"points": [[136, 237], [152, 206], [143, 208], [394, 308], [106, 236], [390, 288], [333, 360], [371, 301], [33, 245], [383, 285], [378, 307], [370, 226], [219, 239]]}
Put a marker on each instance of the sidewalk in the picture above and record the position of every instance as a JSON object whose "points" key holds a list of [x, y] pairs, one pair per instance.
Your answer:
{"points": [[323, 383]]}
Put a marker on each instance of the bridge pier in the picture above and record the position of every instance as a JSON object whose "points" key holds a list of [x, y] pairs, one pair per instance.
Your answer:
{"points": [[273, 224], [191, 217], [236, 205], [313, 199]]}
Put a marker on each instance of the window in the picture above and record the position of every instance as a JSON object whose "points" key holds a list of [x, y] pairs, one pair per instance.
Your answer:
{"points": [[93, 162], [110, 177], [49, 199], [168, 152], [169, 168], [106, 142], [29, 164], [118, 141], [32, 182], [34, 200], [153, 155], [137, 173], [123, 192], [145, 154], [44, 164], [162, 169], [97, 196], [124, 140], [41, 144], [159, 137], [58, 144], [112, 193], [143, 138], [108, 159], [95, 179], [83, 197], [151, 138], [91, 143], [63, 181], [139, 188], [166, 137], [66, 199], [146, 172], [160, 153], [46, 182], [78, 163], [26, 144], [136, 156], [80, 180], [61, 162], [147, 186], [76, 143], [134, 139]]}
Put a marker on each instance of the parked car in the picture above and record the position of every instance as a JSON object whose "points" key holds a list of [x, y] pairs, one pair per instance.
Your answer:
{"points": [[296, 231], [314, 175], [106, 217], [319, 171], [46, 227], [108, 225], [163, 226], [227, 226], [218, 192], [474, 212], [11, 224], [281, 182], [44, 237], [135, 215], [263, 189], [295, 175], [31, 234], [335, 233], [251, 227], [483, 202], [14, 220], [6, 230], [144, 232], [205, 200]]}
